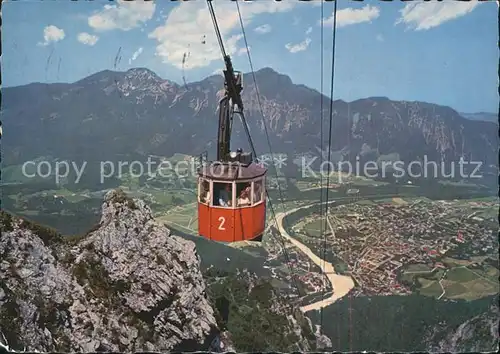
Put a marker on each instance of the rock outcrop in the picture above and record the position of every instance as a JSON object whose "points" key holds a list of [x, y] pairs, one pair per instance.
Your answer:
{"points": [[128, 285], [478, 334]]}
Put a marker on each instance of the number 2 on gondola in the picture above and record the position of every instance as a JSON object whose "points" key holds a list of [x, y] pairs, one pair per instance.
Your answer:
{"points": [[221, 225]]}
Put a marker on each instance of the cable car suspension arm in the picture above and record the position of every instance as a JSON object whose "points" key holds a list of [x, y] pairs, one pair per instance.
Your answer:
{"points": [[233, 86]]}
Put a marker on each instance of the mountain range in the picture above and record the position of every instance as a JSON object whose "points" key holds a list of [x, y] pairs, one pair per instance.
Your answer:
{"points": [[114, 115]]}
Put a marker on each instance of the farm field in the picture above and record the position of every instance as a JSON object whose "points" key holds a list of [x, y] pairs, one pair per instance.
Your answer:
{"points": [[181, 217], [456, 282]]}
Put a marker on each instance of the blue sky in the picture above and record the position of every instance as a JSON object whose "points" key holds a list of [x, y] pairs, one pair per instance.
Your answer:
{"points": [[441, 52]]}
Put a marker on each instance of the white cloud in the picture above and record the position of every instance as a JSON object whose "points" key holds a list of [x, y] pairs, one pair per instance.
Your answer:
{"points": [[424, 16], [52, 34], [380, 38], [309, 30], [299, 47], [242, 51], [189, 28], [350, 16], [87, 39], [125, 15], [263, 29], [135, 55]]}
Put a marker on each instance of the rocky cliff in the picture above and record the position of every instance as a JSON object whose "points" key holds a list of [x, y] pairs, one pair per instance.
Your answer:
{"points": [[478, 334], [129, 285]]}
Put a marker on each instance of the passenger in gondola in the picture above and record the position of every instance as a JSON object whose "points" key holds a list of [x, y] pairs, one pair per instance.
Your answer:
{"points": [[257, 192], [224, 196], [244, 199], [206, 192]]}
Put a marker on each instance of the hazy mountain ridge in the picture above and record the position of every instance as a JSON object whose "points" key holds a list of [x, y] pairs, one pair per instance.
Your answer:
{"points": [[482, 116], [111, 114]]}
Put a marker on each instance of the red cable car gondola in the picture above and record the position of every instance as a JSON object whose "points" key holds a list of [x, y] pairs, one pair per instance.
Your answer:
{"points": [[231, 190]]}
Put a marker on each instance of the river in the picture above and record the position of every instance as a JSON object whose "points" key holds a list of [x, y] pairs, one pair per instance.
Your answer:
{"points": [[341, 284]]}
